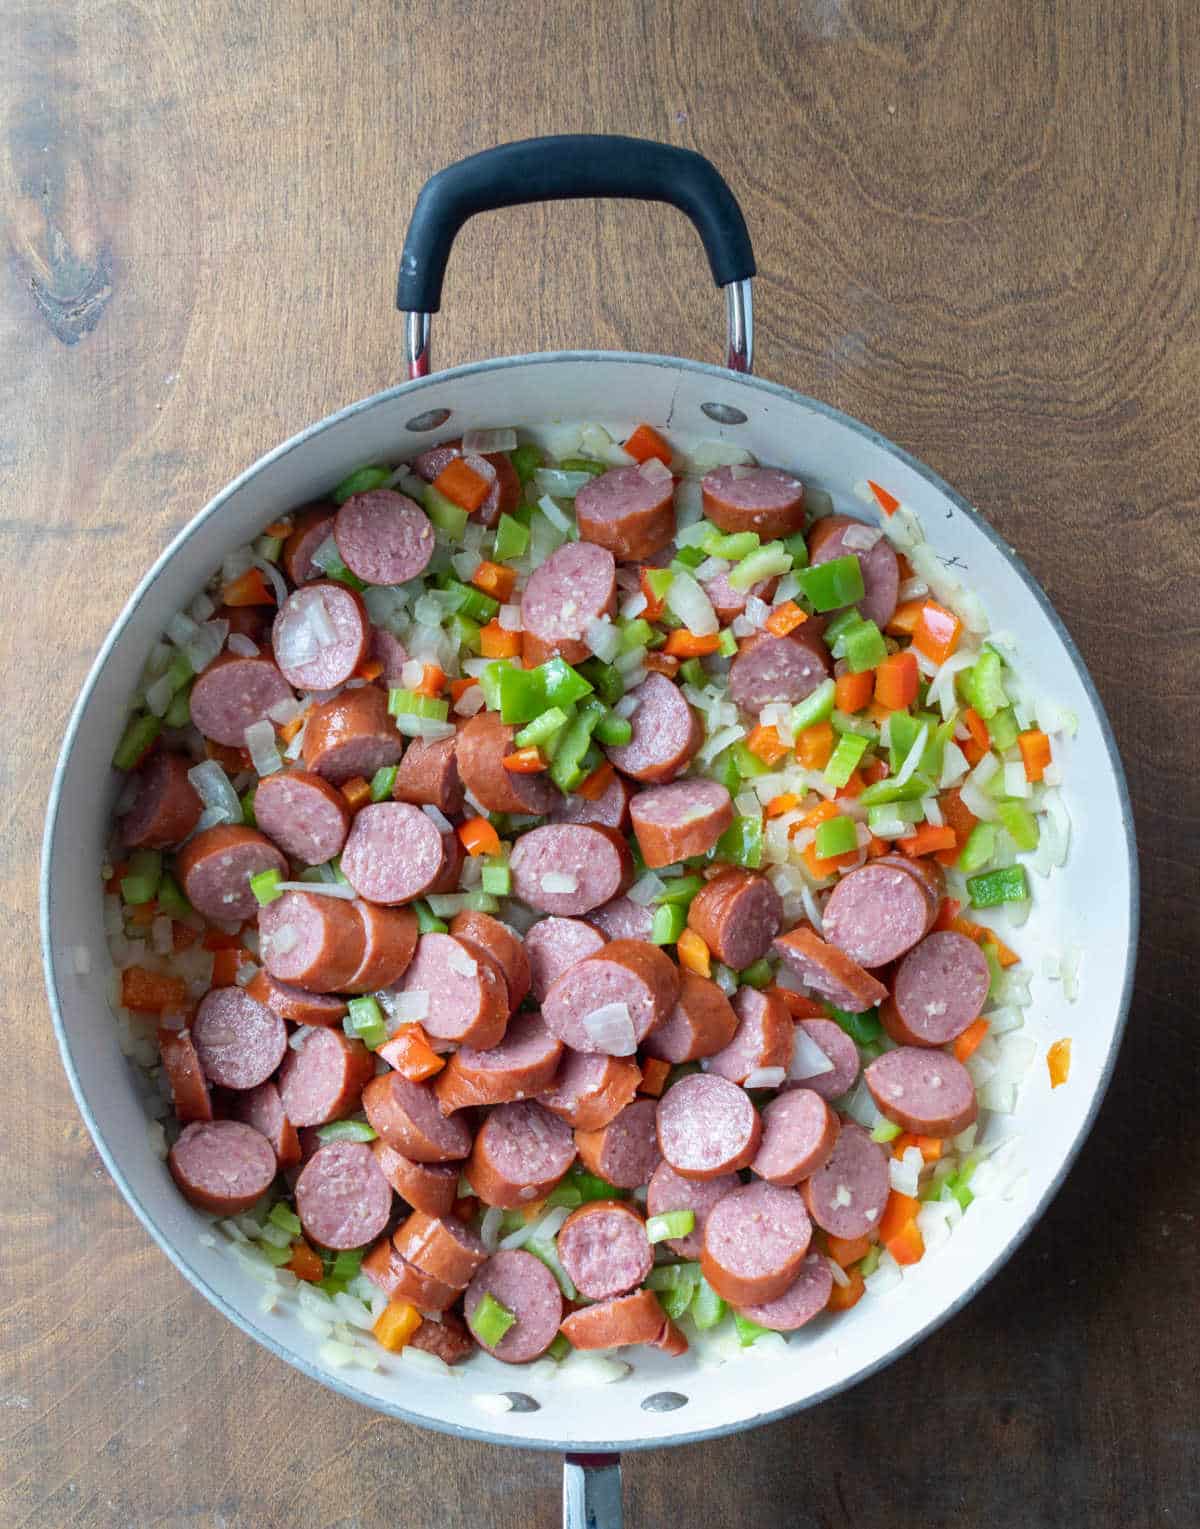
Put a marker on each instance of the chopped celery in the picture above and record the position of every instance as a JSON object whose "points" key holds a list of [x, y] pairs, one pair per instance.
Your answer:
{"points": [[982, 686], [560, 1348], [592, 1187], [979, 848], [472, 602], [489, 1321], [171, 900], [892, 820], [845, 759], [846, 722], [179, 712], [1003, 729], [135, 740], [346, 1130], [265, 886], [382, 782], [668, 924], [409, 704], [247, 801], [512, 539], [269, 548], [364, 1020], [672, 1276], [707, 1306], [748, 765], [817, 707], [870, 1260], [797, 548], [526, 459], [660, 581], [1007, 885], [724, 770], [361, 481], [689, 557], [835, 836], [991, 955], [672, 1223], [179, 672], [496, 879], [740, 844], [765, 563], [145, 873], [465, 632], [582, 465], [542, 728], [727, 644], [613, 730], [346, 1264], [676, 1302], [748, 1331], [562, 1194], [757, 974], [1020, 823], [635, 634], [449, 519], [691, 672], [913, 789], [734, 547], [285, 1219], [865, 647], [885, 1131]]}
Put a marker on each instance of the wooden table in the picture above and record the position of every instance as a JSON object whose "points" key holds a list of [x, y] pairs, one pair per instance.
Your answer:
{"points": [[976, 228]]}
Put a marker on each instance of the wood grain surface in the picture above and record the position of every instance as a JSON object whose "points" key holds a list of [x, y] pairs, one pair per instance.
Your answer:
{"points": [[976, 227]]}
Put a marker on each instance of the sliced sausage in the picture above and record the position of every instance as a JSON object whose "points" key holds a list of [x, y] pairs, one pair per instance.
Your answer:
{"points": [[232, 693], [296, 1003], [303, 814], [769, 668], [673, 823], [573, 588], [407, 1117], [938, 990], [729, 603], [522, 1065], [625, 1320], [240, 1042], [400, 1281], [590, 1090], [452, 865], [167, 806], [628, 972], [342, 1199], [737, 914], [763, 1038], [630, 514], [311, 527], [611, 808], [701, 1024], [847, 1196], [483, 744], [222, 1166], [806, 1297], [669, 1191], [468, 1000], [395, 853], [431, 1187], [755, 1240], [879, 565], [445, 1336], [216, 866], [383, 536], [325, 1078], [311, 939], [523, 1285], [350, 734], [829, 1037], [929, 874], [603, 1248], [570, 868], [929, 1092], [828, 970], [666, 733], [504, 496], [387, 648], [488, 936], [519, 1155], [876, 913], [707, 1126], [320, 635], [428, 776], [446, 1250], [185, 1076], [263, 1109], [800, 1132], [553, 946], [389, 941], [761, 499], [623, 919], [625, 1152]]}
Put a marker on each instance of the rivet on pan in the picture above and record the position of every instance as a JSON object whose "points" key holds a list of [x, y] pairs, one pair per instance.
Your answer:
{"points": [[432, 419], [724, 413], [664, 1401], [522, 1403]]}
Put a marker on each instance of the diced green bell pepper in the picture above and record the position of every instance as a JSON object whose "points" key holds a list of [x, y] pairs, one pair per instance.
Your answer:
{"points": [[604, 678], [346, 1130], [979, 848], [472, 602], [526, 459], [582, 465], [758, 974], [1007, 885], [835, 836], [740, 844], [171, 900], [797, 549], [861, 1028], [668, 924], [831, 585], [748, 1332], [361, 481], [512, 539], [364, 1018], [913, 789], [447, 516], [865, 647], [680, 889], [135, 740], [982, 686], [382, 782], [542, 728], [845, 759], [141, 883]]}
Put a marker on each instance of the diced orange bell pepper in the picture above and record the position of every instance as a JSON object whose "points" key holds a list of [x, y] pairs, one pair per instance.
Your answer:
{"points": [[784, 802], [232, 760], [815, 745], [142, 916], [357, 791], [979, 933], [960, 818], [694, 953], [903, 622], [655, 604], [217, 939], [459, 688], [896, 681], [225, 967], [495, 580], [765, 744], [661, 663], [888, 503], [368, 669], [249, 588], [853, 691], [1035, 752], [928, 839], [785, 618], [597, 783], [654, 1076], [930, 1147], [969, 1042], [279, 529], [288, 730], [462, 485], [1058, 1061], [395, 1325], [151, 992], [432, 682], [479, 837], [843, 1297], [855, 785], [821, 869], [847, 1250], [410, 1053], [898, 1229], [305, 1264], [645, 442], [496, 642], [524, 762], [938, 632], [978, 729], [907, 1246], [684, 644]]}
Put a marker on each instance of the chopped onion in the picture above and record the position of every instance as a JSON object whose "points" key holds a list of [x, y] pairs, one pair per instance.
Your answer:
{"points": [[423, 727], [840, 1277], [470, 703], [489, 1228], [764, 1077], [243, 646], [933, 813], [904, 1174], [413, 1004], [644, 890], [941, 688], [552, 512], [687, 600], [437, 816], [260, 742], [299, 1035], [689, 504], [913, 758], [808, 1060], [739, 471], [756, 612], [159, 696], [604, 639], [654, 470], [720, 740], [201, 607], [466, 563], [912, 589], [627, 705], [274, 577], [708, 454], [861, 538], [234, 564], [425, 1363], [559, 882], [181, 629], [633, 606], [297, 744], [321, 888], [206, 644], [509, 617], [1016, 782], [610, 1029], [954, 765], [503, 438], [563, 485], [213, 787]]}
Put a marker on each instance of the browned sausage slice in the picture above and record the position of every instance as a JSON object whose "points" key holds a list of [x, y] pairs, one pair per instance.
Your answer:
{"points": [[395, 853], [447, 1250], [520, 1154], [350, 734], [342, 1199], [847, 1196], [222, 1166], [830, 1038], [468, 1000], [625, 1320], [311, 939], [389, 940], [185, 1076], [311, 527], [806, 1297], [573, 588], [763, 1039], [303, 814], [320, 636], [800, 1132], [737, 915], [505, 493], [483, 744], [603, 1248], [701, 1024], [673, 823], [488, 936], [938, 990], [831, 538], [583, 1006], [770, 668], [400, 1281], [431, 1187], [627, 511], [383, 537], [523, 1064], [407, 1116], [669, 1191], [929, 1092], [611, 809], [590, 1090], [623, 919], [625, 1152], [263, 1109], [216, 866], [240, 1043], [876, 913], [553, 946], [666, 733], [570, 868], [296, 1003], [523, 1285], [828, 970], [166, 808], [428, 776], [707, 1126], [234, 692], [755, 1240], [761, 499], [324, 1079]]}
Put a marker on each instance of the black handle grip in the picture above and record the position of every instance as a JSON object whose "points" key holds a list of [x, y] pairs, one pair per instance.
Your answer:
{"points": [[569, 167]]}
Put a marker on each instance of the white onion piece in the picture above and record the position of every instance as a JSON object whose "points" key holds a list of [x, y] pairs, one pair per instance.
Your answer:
{"points": [[322, 889], [633, 606], [470, 703], [739, 471], [503, 438], [552, 512], [757, 612], [509, 617], [437, 816], [213, 787], [181, 629], [708, 454], [559, 882], [654, 470], [489, 1227], [604, 639], [912, 589], [413, 1004], [627, 705], [563, 485], [764, 1077], [274, 577], [933, 813], [294, 748], [1016, 782], [159, 696], [466, 563], [260, 741], [808, 1060], [687, 600], [645, 889], [861, 538], [610, 1029], [954, 765], [206, 644], [423, 727], [243, 646], [201, 607]]}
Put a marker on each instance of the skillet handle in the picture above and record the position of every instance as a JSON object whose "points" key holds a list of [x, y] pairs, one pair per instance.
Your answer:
{"points": [[592, 1492], [572, 166]]}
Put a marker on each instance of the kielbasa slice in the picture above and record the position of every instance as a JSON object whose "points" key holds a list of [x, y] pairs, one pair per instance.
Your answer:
{"points": [[320, 635], [222, 1166], [626, 972], [522, 1065], [570, 868], [185, 1076], [701, 1024], [623, 919], [769, 669], [389, 941], [468, 999], [729, 603], [445, 1249], [828, 539], [847, 1196], [519, 1155], [666, 733], [762, 499], [755, 1240], [553, 946], [829, 1037], [938, 990], [806, 1297], [629, 513], [669, 1191], [737, 915], [383, 536], [707, 1126], [928, 1092], [571, 590], [350, 734], [428, 775], [311, 939], [342, 1198], [603, 1248], [610, 809], [625, 1152], [325, 1078], [263, 1109], [489, 937], [296, 1003], [240, 1043], [431, 1187], [311, 528], [407, 1117], [876, 914], [216, 866], [401, 1281], [303, 814], [800, 1132], [625, 1320], [930, 875], [234, 692], [483, 744], [395, 853], [828, 970], [673, 823], [589, 1090], [167, 806], [763, 1038], [523, 1285]]}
